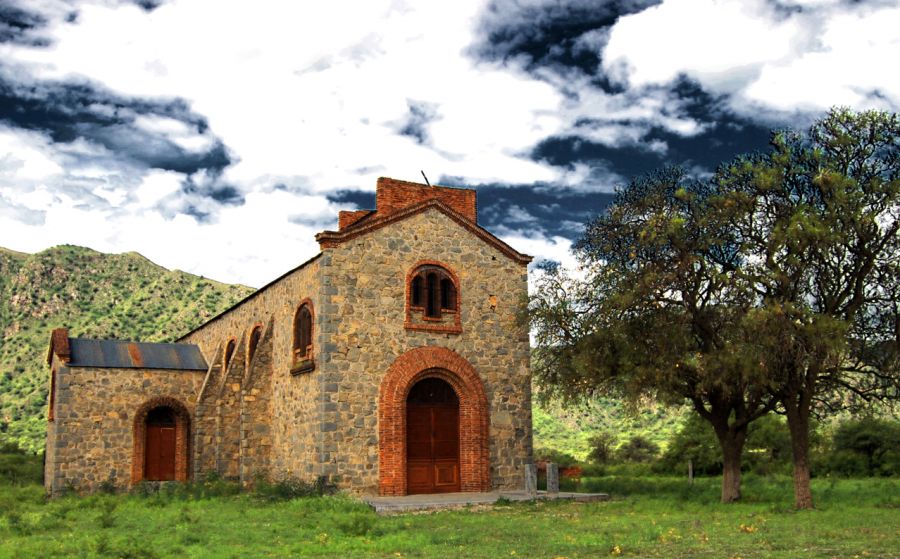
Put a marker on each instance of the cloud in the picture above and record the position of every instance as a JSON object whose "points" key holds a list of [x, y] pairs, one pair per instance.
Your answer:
{"points": [[165, 128], [163, 134], [776, 57]]}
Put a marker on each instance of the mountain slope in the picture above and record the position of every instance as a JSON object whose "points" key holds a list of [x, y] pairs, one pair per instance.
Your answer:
{"points": [[94, 295]]}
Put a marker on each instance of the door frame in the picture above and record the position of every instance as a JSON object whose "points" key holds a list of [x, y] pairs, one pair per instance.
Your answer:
{"points": [[406, 371], [182, 438]]}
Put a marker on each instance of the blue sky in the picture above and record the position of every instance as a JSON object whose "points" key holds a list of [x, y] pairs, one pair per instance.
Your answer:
{"points": [[219, 137]]}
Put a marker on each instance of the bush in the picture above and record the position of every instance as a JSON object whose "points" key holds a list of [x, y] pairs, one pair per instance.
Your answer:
{"points": [[767, 449], [866, 447], [557, 457], [286, 489], [638, 449], [602, 445], [18, 467]]}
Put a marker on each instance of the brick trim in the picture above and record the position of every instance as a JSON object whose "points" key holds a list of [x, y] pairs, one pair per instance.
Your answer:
{"points": [[182, 437], [226, 359], [404, 372], [442, 325], [59, 345], [261, 328], [308, 363]]}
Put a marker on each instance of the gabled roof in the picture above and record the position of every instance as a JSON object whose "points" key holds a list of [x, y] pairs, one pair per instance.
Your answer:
{"points": [[373, 222]]}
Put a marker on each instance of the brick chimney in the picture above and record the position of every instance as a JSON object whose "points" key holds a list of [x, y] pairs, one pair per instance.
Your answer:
{"points": [[392, 195]]}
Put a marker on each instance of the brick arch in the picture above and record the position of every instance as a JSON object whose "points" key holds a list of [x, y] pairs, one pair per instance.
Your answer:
{"points": [[182, 436], [404, 372]]}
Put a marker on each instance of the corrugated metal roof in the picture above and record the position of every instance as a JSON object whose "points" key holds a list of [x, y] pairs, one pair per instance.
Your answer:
{"points": [[135, 355]]}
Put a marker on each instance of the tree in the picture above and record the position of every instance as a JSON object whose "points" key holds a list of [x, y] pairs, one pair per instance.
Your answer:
{"points": [[820, 245], [660, 311], [774, 284]]}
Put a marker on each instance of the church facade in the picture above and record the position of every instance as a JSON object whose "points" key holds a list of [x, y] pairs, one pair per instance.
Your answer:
{"points": [[390, 363]]}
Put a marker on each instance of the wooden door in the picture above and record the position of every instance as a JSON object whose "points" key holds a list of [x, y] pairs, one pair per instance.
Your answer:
{"points": [[159, 448], [432, 455]]}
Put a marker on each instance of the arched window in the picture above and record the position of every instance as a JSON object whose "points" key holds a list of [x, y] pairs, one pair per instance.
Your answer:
{"points": [[229, 352], [253, 342], [417, 291], [433, 298], [303, 338]]}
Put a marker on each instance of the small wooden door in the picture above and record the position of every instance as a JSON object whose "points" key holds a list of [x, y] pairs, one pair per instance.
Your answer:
{"points": [[432, 448], [159, 450]]}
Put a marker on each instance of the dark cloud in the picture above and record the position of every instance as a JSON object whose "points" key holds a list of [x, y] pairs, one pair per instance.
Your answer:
{"points": [[18, 25], [706, 151], [551, 212], [502, 208], [551, 33], [358, 198], [420, 114], [66, 112], [148, 5]]}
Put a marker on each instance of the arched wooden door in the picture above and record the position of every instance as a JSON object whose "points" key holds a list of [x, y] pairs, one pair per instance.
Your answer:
{"points": [[432, 438], [159, 449]]}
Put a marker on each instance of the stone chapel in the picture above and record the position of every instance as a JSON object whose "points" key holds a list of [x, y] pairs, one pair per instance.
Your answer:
{"points": [[390, 363]]}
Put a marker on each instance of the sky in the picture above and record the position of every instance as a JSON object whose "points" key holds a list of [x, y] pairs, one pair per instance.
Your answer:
{"points": [[218, 137]]}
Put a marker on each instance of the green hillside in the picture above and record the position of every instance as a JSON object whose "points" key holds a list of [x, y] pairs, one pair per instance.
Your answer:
{"points": [[570, 429], [127, 297], [94, 295]]}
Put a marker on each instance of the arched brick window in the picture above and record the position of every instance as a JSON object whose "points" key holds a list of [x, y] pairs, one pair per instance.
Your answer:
{"points": [[253, 342], [229, 353], [432, 302], [302, 346]]}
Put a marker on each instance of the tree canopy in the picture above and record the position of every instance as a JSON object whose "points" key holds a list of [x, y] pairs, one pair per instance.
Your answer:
{"points": [[771, 285]]}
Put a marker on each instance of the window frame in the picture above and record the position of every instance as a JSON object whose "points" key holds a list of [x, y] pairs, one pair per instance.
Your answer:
{"points": [[425, 301], [252, 347], [228, 356], [305, 361]]}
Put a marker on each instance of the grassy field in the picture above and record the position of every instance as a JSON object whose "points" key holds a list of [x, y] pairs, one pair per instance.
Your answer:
{"points": [[648, 517]]}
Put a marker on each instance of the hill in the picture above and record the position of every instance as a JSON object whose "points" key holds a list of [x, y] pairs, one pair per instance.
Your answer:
{"points": [[127, 297], [94, 295]]}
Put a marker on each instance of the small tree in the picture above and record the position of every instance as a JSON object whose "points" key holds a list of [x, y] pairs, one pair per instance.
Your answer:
{"points": [[602, 445]]}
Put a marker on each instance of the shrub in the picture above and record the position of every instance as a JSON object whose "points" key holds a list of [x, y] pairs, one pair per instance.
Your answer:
{"points": [[866, 447], [637, 449], [602, 445], [560, 458], [18, 467], [285, 489]]}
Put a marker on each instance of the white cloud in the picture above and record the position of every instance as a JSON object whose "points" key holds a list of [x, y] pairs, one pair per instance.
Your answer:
{"points": [[763, 58], [312, 96]]}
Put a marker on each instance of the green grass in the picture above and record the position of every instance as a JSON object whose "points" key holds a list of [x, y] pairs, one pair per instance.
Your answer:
{"points": [[648, 517]]}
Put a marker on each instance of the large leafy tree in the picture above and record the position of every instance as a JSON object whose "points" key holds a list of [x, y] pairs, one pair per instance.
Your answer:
{"points": [[775, 283], [820, 238], [659, 311]]}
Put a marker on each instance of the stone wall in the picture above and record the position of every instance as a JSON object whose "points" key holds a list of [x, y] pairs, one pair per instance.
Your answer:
{"points": [[90, 440], [292, 408], [256, 410], [363, 320]]}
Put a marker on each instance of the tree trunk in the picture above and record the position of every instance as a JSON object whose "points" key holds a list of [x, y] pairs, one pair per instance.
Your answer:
{"points": [[798, 424], [732, 442]]}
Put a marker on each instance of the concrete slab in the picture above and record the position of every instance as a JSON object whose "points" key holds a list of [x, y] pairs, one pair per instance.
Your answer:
{"points": [[441, 501]]}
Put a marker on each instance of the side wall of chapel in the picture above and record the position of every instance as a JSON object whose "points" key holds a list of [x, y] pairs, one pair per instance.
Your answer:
{"points": [[293, 408], [362, 317]]}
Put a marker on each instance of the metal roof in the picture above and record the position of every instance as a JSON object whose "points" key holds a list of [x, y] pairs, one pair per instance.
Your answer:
{"points": [[135, 355]]}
